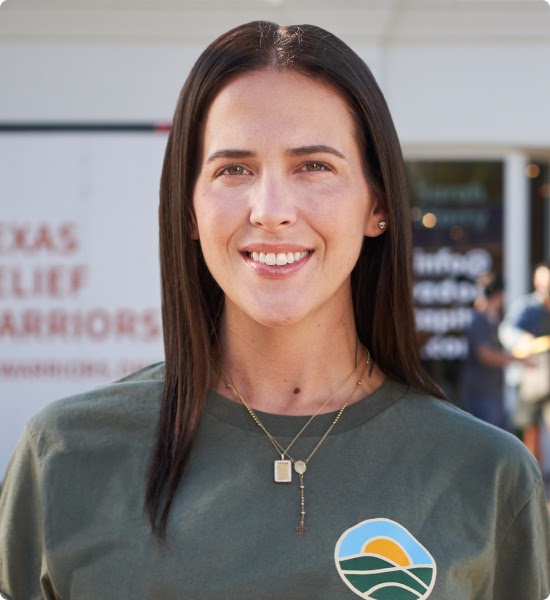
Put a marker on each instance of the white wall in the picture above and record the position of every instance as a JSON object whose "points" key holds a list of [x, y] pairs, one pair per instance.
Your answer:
{"points": [[495, 94], [454, 72]]}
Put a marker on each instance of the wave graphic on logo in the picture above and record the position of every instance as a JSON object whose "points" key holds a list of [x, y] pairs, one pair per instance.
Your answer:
{"points": [[380, 560]]}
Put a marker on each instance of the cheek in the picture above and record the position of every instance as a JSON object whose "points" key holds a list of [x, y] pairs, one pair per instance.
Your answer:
{"points": [[346, 216], [217, 227]]}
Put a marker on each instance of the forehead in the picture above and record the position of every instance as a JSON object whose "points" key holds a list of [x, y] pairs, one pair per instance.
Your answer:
{"points": [[275, 80], [285, 102]]}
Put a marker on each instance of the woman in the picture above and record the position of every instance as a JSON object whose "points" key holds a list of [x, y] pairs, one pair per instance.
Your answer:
{"points": [[291, 446]]}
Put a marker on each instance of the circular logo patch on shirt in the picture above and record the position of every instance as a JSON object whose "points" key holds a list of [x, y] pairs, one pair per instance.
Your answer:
{"points": [[380, 560]]}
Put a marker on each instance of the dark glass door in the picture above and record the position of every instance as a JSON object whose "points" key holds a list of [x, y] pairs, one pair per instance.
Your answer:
{"points": [[457, 220]]}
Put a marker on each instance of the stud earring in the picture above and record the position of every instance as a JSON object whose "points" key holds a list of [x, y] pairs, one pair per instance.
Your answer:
{"points": [[382, 225]]}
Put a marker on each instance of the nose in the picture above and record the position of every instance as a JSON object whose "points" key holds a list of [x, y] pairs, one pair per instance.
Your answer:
{"points": [[272, 204]]}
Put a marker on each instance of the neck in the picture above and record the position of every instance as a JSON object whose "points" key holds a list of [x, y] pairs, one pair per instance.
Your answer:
{"points": [[293, 370]]}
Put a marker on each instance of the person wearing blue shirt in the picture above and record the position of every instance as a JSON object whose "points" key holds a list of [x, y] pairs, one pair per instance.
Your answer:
{"points": [[529, 318], [482, 381]]}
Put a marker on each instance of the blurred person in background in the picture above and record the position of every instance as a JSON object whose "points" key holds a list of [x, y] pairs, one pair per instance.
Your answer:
{"points": [[482, 377], [525, 331], [291, 446]]}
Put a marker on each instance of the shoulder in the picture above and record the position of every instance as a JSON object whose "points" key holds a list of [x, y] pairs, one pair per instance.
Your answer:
{"points": [[127, 406], [475, 466], [463, 443], [529, 304]]}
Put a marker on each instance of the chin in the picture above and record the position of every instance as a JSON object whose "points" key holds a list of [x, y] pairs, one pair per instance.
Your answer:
{"points": [[276, 316], [277, 321]]}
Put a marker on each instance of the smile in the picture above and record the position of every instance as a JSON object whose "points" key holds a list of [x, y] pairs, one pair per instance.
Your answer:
{"points": [[280, 259]]}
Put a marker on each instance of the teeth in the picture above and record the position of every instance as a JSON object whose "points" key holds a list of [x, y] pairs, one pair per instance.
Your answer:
{"points": [[278, 259], [281, 259]]}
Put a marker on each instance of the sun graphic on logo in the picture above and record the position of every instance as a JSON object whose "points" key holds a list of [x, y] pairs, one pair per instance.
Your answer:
{"points": [[389, 549]]}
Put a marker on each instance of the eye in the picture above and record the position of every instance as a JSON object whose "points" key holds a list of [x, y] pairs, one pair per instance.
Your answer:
{"points": [[315, 166], [233, 170]]}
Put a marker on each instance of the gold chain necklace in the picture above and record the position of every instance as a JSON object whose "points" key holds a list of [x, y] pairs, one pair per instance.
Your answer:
{"points": [[283, 467], [281, 477]]}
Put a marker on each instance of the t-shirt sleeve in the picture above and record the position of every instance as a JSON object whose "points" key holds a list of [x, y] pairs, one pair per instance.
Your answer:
{"points": [[23, 569], [523, 567]]}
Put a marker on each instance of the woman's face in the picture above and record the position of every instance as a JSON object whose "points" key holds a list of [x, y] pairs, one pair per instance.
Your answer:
{"points": [[281, 199]]}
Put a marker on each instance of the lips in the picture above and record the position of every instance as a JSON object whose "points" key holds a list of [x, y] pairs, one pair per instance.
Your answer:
{"points": [[278, 259]]}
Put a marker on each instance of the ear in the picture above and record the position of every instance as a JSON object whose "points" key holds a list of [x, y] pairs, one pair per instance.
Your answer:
{"points": [[377, 223]]}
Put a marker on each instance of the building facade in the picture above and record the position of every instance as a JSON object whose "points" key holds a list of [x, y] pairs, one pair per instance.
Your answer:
{"points": [[467, 82]]}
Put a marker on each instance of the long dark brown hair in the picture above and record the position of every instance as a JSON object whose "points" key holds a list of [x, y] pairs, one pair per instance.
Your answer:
{"points": [[192, 301]]}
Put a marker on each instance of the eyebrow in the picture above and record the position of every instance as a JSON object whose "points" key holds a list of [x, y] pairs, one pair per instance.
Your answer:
{"points": [[319, 148], [229, 153], [299, 151]]}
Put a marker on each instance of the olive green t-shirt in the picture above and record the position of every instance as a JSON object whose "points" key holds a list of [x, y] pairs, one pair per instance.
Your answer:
{"points": [[407, 498]]}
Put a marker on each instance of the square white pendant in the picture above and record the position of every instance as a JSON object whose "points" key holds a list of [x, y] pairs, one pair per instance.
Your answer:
{"points": [[282, 471]]}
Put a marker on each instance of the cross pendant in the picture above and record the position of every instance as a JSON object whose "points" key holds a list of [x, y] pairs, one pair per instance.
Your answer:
{"points": [[301, 529]]}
